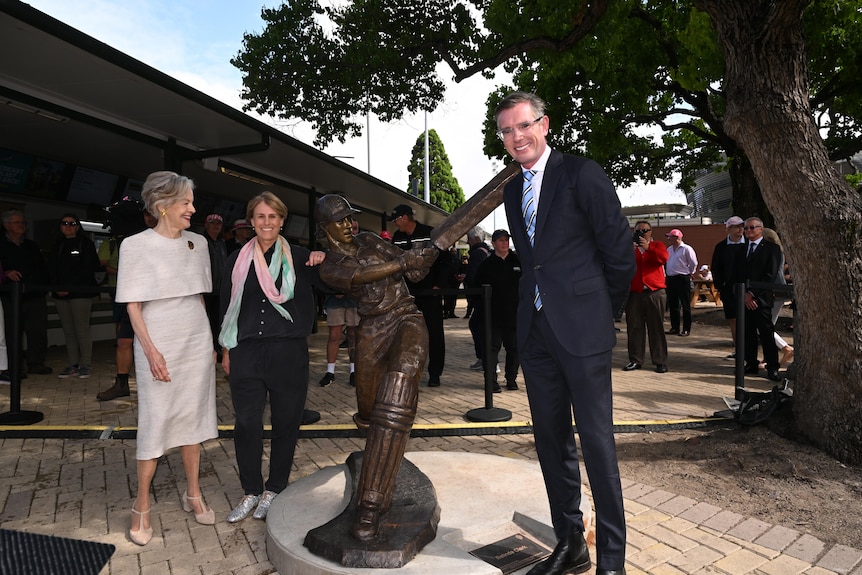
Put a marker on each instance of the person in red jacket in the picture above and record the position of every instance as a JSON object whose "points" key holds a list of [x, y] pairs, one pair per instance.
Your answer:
{"points": [[647, 301]]}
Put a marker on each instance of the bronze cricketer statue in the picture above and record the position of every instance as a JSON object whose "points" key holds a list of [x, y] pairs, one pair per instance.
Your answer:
{"points": [[391, 339]]}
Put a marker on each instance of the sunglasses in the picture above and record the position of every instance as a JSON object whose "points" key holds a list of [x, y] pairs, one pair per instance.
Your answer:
{"points": [[751, 227], [70, 224]]}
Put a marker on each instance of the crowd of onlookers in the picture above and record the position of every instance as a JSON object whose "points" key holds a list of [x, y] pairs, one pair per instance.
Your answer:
{"points": [[662, 286]]}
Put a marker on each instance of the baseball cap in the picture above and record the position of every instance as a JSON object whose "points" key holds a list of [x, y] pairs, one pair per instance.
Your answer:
{"points": [[386, 235], [674, 233], [499, 234], [401, 210], [215, 218], [241, 224], [734, 221]]}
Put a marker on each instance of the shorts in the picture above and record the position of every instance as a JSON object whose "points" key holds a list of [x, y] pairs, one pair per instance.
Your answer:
{"points": [[123, 321], [348, 316]]}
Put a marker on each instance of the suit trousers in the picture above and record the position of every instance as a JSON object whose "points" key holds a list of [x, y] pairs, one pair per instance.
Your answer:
{"points": [[558, 382], [277, 368], [759, 322], [645, 316], [432, 310], [679, 297]]}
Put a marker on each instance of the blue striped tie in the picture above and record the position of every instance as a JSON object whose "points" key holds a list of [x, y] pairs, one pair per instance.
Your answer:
{"points": [[528, 212]]}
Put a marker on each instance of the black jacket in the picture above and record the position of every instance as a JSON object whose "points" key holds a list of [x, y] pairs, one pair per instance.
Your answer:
{"points": [[503, 276]]}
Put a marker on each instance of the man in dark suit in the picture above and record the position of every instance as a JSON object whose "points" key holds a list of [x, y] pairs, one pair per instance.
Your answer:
{"points": [[761, 264], [726, 270], [577, 262]]}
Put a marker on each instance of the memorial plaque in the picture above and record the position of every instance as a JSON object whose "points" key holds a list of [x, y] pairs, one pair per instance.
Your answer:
{"points": [[512, 553]]}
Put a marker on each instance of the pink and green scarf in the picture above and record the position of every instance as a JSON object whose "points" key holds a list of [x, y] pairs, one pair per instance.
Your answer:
{"points": [[282, 262]]}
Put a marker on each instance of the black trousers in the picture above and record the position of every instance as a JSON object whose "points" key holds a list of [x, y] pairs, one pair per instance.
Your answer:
{"points": [[759, 322], [557, 383], [679, 297], [506, 337], [432, 310], [277, 369], [477, 330], [34, 323]]}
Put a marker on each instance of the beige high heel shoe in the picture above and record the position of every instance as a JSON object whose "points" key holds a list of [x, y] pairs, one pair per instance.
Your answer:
{"points": [[141, 536], [205, 518]]}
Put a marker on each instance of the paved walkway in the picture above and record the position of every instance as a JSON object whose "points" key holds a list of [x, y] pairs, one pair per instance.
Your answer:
{"points": [[83, 488]]}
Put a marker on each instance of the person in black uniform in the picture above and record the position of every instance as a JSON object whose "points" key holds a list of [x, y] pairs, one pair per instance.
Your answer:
{"points": [[502, 271], [412, 234]]}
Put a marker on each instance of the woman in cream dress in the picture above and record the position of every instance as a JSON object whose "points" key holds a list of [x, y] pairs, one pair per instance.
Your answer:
{"points": [[162, 273]]}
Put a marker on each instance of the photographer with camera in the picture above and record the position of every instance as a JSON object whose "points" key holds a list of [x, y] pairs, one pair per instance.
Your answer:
{"points": [[647, 301]]}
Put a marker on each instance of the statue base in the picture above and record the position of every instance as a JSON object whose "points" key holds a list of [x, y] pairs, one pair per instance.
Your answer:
{"points": [[409, 525], [483, 500]]}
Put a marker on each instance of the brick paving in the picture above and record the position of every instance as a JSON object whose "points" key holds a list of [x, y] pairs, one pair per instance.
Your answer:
{"points": [[83, 488]]}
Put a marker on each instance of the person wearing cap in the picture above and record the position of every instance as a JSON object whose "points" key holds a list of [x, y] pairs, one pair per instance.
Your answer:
{"points": [[213, 226], [242, 232], [268, 309], [502, 271], [681, 263], [391, 344], [727, 257], [576, 254], [647, 301], [412, 234]]}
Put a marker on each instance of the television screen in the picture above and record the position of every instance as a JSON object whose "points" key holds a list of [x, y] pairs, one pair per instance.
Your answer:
{"points": [[92, 187]]}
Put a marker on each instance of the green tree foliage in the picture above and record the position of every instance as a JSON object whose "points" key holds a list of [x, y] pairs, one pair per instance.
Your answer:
{"points": [[445, 190], [777, 80], [634, 84]]}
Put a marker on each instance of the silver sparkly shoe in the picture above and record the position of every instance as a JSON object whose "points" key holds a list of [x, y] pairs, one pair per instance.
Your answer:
{"points": [[263, 506], [242, 510]]}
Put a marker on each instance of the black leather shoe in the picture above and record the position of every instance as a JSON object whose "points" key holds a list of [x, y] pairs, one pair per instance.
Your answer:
{"points": [[611, 571], [751, 369], [672, 331], [632, 366], [772, 375], [684, 333], [434, 381], [661, 368], [571, 555]]}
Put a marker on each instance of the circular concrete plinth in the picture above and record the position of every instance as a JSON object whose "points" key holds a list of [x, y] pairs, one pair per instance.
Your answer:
{"points": [[482, 498]]}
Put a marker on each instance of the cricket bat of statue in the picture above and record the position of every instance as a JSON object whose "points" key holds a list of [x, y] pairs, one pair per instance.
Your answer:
{"points": [[474, 210]]}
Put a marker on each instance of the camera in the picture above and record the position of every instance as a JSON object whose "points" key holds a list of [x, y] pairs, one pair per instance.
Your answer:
{"points": [[637, 235]]}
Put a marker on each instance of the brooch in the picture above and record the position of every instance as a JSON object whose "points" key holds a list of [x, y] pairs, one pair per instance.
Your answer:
{"points": [[191, 245]]}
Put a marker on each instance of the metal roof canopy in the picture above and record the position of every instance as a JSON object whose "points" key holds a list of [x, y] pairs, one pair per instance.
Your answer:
{"points": [[88, 104]]}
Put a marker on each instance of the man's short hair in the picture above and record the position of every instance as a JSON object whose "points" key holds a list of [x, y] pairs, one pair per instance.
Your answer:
{"points": [[516, 98]]}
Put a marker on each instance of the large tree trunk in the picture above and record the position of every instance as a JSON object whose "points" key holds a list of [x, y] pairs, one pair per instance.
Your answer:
{"points": [[818, 214], [747, 197]]}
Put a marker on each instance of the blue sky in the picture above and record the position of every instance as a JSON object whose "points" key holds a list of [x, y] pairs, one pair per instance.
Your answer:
{"points": [[194, 40]]}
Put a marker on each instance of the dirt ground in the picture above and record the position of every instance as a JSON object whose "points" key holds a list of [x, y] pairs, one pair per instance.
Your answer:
{"points": [[752, 471]]}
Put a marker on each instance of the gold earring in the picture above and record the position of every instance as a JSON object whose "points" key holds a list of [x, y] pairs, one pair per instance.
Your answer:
{"points": [[163, 211]]}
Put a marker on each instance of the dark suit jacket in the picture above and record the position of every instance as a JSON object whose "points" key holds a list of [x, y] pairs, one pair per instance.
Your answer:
{"points": [[762, 266], [726, 266], [582, 260]]}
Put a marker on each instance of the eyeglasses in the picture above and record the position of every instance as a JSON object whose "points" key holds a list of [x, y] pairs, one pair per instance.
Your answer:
{"points": [[504, 133], [644, 230], [751, 227], [70, 224]]}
